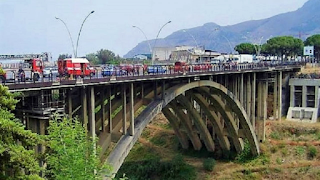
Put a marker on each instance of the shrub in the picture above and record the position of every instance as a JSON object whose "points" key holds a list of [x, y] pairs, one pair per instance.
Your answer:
{"points": [[208, 164], [282, 145], [273, 149], [278, 160], [245, 155], [317, 135], [284, 151], [312, 152], [275, 135], [299, 150], [156, 169]]}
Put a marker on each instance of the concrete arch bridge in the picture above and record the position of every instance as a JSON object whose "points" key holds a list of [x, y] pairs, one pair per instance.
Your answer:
{"points": [[210, 110]]}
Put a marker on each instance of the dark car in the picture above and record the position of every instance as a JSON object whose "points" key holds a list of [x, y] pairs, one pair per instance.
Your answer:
{"points": [[156, 69], [112, 71]]}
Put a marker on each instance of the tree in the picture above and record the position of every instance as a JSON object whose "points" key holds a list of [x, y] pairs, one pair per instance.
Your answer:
{"points": [[72, 154], [105, 56], [16, 161], [284, 46], [93, 58], [314, 41], [245, 48]]}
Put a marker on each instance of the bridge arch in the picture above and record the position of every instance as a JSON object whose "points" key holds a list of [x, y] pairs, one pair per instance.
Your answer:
{"points": [[125, 144]]}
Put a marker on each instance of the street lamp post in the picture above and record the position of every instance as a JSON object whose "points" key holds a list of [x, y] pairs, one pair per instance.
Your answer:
{"points": [[80, 32], [145, 37], [257, 47], [74, 53], [157, 39], [194, 39], [191, 37], [217, 29]]}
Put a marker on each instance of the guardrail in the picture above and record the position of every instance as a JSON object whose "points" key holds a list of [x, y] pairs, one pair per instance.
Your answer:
{"points": [[143, 73]]}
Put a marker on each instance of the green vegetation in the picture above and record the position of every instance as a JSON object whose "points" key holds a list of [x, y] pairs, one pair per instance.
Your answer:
{"points": [[153, 168], [71, 154], [16, 159], [275, 135], [283, 46], [245, 155], [1, 71], [245, 48], [103, 56], [314, 41], [312, 152], [300, 150], [278, 46], [208, 164]]}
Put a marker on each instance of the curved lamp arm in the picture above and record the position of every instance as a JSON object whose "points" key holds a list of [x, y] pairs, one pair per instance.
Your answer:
{"points": [[80, 31]]}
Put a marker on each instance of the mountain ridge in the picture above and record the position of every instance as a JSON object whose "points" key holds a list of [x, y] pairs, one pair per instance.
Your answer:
{"points": [[303, 21]]}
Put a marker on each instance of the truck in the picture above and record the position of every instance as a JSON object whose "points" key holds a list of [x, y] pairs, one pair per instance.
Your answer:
{"points": [[21, 67], [75, 67], [242, 58]]}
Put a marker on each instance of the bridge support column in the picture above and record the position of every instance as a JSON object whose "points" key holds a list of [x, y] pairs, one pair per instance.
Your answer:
{"points": [[175, 124], [163, 88], [262, 109], [292, 97], [265, 104], [92, 120], [69, 103], [203, 130], [249, 92], [142, 91], [103, 108], [84, 112], [236, 87], [275, 96], [155, 93], [241, 89], [131, 129], [229, 120], [124, 110], [253, 105], [110, 109], [280, 96], [186, 122], [215, 121], [304, 96]]}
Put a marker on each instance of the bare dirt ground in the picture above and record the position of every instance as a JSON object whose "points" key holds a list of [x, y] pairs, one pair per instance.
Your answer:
{"points": [[309, 68]]}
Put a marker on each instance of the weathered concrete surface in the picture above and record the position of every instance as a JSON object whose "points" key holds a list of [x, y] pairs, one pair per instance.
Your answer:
{"points": [[126, 143]]}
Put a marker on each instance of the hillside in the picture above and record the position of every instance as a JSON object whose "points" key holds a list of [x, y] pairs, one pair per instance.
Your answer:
{"points": [[305, 20]]}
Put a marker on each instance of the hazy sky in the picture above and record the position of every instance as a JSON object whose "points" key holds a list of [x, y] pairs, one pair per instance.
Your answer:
{"points": [[29, 26]]}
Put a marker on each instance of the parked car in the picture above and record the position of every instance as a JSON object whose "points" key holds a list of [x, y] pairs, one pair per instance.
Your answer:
{"points": [[156, 69], [47, 72], [112, 71]]}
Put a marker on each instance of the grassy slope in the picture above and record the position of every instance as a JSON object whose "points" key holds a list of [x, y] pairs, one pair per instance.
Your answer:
{"points": [[285, 153]]}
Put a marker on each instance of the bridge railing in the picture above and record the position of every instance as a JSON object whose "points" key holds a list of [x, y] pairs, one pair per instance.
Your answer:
{"points": [[154, 70]]}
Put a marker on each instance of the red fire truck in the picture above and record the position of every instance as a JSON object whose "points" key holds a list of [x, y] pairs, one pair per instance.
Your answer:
{"points": [[75, 67], [22, 67]]}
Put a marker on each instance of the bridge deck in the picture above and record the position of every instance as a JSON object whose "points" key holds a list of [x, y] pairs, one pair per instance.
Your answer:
{"points": [[29, 86]]}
